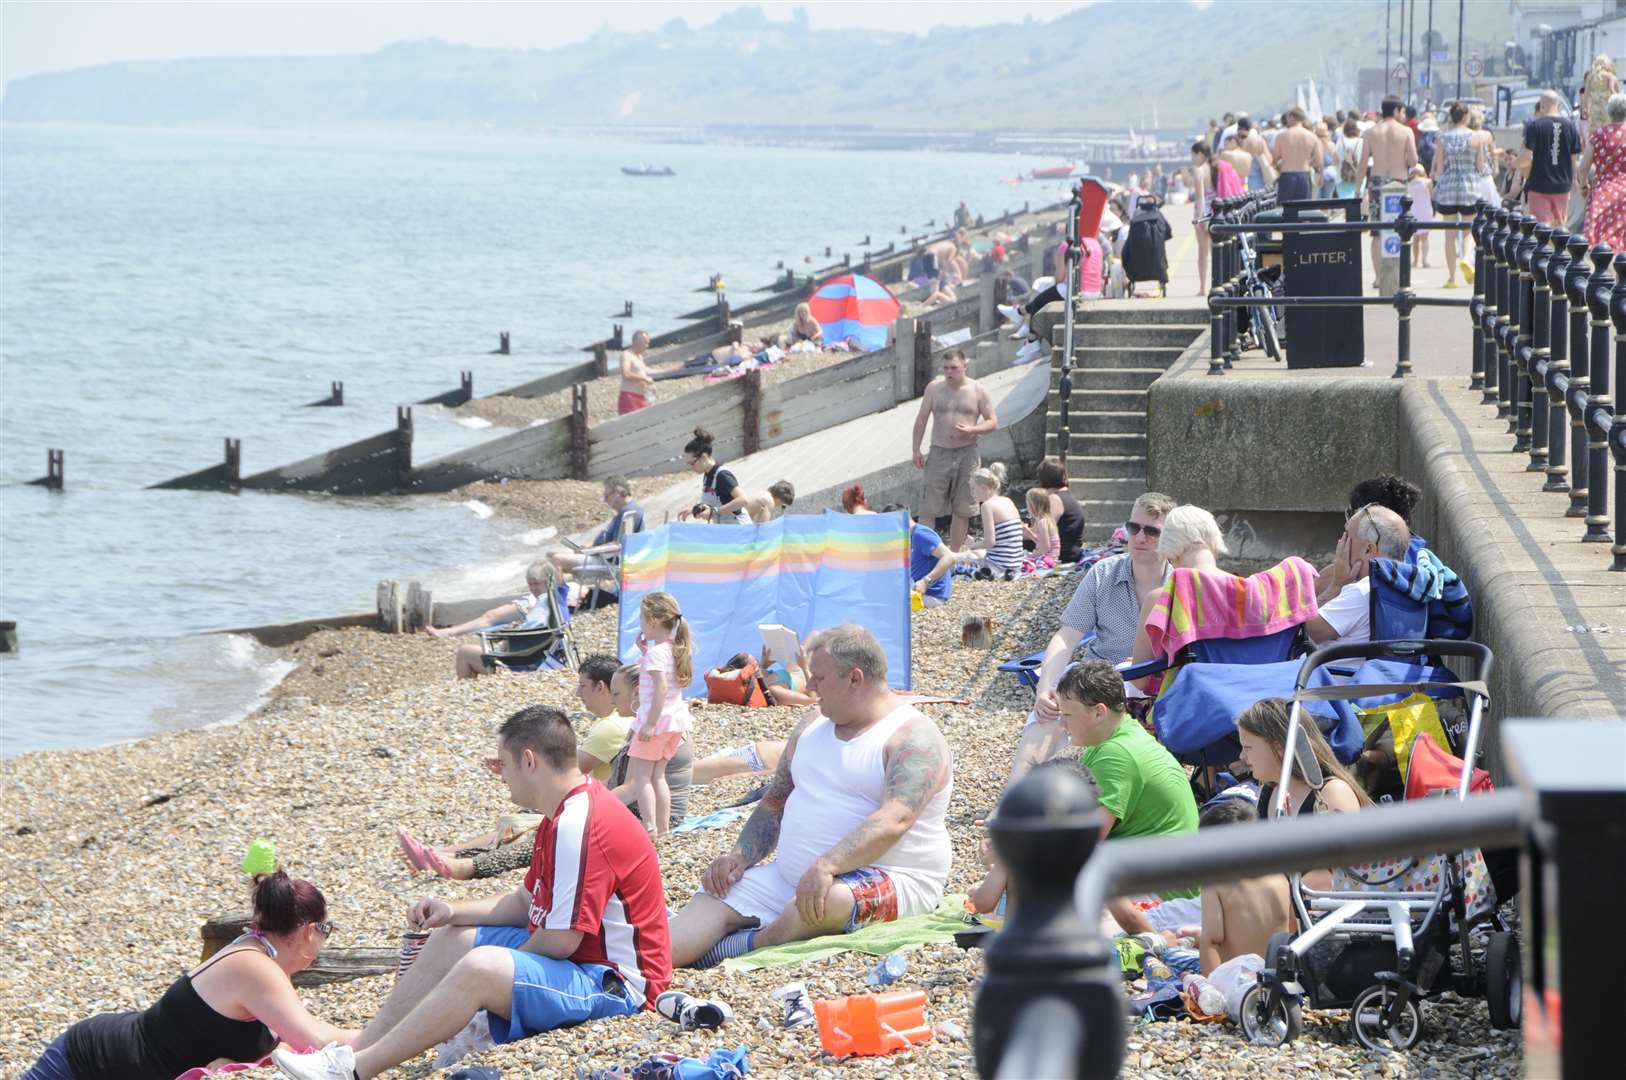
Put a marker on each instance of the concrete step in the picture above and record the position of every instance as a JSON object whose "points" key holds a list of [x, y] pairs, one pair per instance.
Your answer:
{"points": [[1105, 466], [1102, 400], [1133, 334], [1095, 444], [1118, 356], [1111, 423], [1111, 489], [1101, 516], [1108, 378], [1194, 312]]}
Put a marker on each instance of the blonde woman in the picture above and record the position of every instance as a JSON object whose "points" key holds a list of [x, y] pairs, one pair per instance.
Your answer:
{"points": [[806, 327], [1001, 526], [1600, 84], [1484, 146]]}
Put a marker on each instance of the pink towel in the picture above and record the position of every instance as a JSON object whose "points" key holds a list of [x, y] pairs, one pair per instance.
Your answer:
{"points": [[1200, 604], [201, 1072]]}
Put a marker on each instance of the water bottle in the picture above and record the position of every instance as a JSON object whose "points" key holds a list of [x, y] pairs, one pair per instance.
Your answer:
{"points": [[1209, 998], [888, 971]]}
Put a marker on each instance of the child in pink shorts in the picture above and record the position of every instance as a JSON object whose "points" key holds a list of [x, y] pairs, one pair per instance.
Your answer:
{"points": [[664, 670]]}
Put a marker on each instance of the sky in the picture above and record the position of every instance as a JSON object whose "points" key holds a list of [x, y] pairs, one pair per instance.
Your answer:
{"points": [[55, 35]]}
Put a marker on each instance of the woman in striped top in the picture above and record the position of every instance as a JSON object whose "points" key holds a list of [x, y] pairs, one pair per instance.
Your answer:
{"points": [[1001, 524]]}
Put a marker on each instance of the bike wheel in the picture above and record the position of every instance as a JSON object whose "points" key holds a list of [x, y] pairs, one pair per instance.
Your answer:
{"points": [[1266, 327], [1371, 1031]]}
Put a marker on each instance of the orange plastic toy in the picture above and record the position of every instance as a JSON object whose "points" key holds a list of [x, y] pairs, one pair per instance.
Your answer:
{"points": [[873, 1023]]}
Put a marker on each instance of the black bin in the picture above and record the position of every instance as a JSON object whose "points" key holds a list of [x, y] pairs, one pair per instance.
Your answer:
{"points": [[1321, 264]]}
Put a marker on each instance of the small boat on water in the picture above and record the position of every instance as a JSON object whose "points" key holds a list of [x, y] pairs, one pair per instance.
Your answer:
{"points": [[647, 170], [1055, 172]]}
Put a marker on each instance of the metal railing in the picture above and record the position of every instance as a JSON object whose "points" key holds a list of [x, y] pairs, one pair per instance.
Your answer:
{"points": [[1234, 217], [1542, 319]]}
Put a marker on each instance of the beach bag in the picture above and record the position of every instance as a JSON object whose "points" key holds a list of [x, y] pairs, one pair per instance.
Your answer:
{"points": [[742, 686], [1406, 719]]}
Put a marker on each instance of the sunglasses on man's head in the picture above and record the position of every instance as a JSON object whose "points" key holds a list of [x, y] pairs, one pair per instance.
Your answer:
{"points": [[1135, 528]]}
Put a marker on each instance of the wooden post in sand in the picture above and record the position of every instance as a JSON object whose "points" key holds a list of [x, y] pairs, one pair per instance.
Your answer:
{"points": [[234, 463], [923, 355], [391, 614], [578, 431], [419, 610], [722, 311], [502, 343], [601, 357], [751, 410]]}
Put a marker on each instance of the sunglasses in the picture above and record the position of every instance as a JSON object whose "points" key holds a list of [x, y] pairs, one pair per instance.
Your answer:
{"points": [[1135, 528], [326, 927]]}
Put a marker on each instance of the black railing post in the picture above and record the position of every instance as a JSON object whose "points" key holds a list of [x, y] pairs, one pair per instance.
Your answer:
{"points": [[1518, 335], [1558, 364], [1614, 436], [1216, 289], [1576, 283], [1405, 226], [1496, 362], [1476, 306], [1535, 359], [1508, 274], [1599, 417], [1600, 291]]}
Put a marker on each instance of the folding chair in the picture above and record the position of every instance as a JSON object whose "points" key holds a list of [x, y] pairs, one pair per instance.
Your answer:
{"points": [[522, 647], [598, 571]]}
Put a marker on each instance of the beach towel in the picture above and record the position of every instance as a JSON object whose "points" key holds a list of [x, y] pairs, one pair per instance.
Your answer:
{"points": [[203, 1071], [876, 939], [1429, 581], [714, 820], [1196, 605]]}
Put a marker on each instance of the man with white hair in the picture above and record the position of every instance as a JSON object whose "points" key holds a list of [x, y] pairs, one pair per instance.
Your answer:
{"points": [[1345, 593], [853, 815], [1551, 145]]}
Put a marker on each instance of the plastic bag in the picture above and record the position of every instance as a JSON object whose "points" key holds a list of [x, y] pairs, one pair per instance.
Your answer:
{"points": [[1235, 978]]}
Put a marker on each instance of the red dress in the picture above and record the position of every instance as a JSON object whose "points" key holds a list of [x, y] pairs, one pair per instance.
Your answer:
{"points": [[1606, 209]]}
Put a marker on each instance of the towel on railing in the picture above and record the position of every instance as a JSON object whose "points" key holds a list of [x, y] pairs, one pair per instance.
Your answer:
{"points": [[1431, 582], [1195, 605]]}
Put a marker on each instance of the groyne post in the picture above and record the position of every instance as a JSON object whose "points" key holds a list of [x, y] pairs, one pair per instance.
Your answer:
{"points": [[234, 464], [465, 382], [578, 432], [923, 356], [1576, 282], [1558, 363], [722, 309], [53, 478], [751, 411], [503, 343], [617, 342], [8, 636], [403, 446], [335, 396], [391, 611], [601, 357]]}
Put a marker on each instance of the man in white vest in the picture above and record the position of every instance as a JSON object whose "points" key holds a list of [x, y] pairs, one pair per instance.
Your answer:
{"points": [[854, 812]]}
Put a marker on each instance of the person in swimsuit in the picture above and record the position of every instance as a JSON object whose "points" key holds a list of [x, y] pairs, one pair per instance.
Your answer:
{"points": [[806, 327], [235, 1006], [636, 381], [961, 412]]}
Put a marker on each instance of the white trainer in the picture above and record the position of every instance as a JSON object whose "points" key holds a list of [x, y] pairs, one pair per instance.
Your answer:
{"points": [[331, 1062], [1030, 352], [1009, 313]]}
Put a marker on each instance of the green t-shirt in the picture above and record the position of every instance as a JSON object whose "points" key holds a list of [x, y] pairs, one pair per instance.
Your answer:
{"points": [[1142, 786]]}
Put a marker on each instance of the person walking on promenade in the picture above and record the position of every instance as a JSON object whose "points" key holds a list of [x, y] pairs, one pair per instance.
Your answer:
{"points": [[1603, 178], [636, 381], [1551, 145], [1458, 158], [1388, 151], [1600, 84], [961, 412], [664, 669], [1298, 159], [1261, 173]]}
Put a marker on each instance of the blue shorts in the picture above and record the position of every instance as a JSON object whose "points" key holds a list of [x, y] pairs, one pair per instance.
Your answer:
{"points": [[551, 993], [53, 1064]]}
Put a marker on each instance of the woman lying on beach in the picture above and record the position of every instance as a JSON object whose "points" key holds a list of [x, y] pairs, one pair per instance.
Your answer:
{"points": [[233, 1007]]}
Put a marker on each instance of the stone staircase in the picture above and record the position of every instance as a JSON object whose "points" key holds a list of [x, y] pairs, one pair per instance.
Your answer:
{"points": [[1118, 353]]}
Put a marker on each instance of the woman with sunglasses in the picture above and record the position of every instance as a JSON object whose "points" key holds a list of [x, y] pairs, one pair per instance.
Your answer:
{"points": [[1103, 617], [235, 1006]]}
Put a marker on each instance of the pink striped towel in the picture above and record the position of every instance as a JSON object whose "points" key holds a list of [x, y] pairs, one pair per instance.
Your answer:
{"points": [[1200, 604]]}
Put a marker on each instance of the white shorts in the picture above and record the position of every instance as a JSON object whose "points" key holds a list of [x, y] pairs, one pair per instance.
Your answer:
{"points": [[764, 894]]}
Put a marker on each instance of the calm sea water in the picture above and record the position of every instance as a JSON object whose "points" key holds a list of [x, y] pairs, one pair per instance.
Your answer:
{"points": [[162, 289]]}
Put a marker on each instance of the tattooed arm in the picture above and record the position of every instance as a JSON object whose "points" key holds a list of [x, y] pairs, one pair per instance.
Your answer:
{"points": [[918, 766], [760, 835]]}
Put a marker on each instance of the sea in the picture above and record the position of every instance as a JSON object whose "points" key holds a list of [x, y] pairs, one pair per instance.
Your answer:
{"points": [[163, 289]]}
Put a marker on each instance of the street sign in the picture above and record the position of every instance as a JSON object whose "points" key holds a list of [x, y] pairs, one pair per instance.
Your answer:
{"points": [[1399, 73], [1475, 67]]}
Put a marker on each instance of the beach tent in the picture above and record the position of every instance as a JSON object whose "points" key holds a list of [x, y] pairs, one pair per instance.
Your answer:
{"points": [[805, 571], [855, 306]]}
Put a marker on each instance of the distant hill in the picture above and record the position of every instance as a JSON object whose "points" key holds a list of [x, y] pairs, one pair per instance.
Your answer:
{"points": [[1102, 66]]}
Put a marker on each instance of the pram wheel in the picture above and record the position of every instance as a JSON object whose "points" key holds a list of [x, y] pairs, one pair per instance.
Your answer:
{"points": [[1366, 1020], [1264, 1026], [1504, 981]]}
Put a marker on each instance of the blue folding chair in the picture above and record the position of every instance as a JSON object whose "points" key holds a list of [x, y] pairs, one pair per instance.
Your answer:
{"points": [[1026, 668]]}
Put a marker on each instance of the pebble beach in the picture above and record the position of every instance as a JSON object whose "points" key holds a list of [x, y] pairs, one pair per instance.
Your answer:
{"points": [[112, 858]]}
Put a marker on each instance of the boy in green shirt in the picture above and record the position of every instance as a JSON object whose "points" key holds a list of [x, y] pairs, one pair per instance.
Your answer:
{"points": [[1144, 791]]}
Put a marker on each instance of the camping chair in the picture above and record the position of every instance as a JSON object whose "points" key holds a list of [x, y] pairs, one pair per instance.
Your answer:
{"points": [[1026, 668], [520, 647], [598, 571]]}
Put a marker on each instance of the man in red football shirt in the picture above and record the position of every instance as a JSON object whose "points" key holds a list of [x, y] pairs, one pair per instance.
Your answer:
{"points": [[583, 938]]}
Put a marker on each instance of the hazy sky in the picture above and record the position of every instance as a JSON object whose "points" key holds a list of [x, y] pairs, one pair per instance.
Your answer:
{"points": [[52, 35]]}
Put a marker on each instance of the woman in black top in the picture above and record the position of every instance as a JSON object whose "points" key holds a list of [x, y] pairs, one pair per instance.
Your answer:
{"points": [[234, 1006], [1064, 508], [718, 485]]}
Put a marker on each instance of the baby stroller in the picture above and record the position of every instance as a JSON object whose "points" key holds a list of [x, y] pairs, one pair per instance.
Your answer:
{"points": [[1145, 255], [1382, 939]]}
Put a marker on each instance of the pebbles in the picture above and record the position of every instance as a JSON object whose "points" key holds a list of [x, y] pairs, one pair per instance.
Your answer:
{"points": [[104, 886]]}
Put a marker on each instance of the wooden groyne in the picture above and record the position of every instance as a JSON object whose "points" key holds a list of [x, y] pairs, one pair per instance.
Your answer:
{"points": [[741, 412]]}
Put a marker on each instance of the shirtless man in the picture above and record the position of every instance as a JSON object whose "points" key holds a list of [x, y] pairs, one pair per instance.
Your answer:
{"points": [[1298, 159], [961, 412], [636, 380], [761, 506], [1240, 917], [1391, 151], [1254, 143]]}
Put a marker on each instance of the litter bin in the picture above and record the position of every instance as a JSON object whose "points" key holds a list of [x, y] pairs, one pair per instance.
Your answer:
{"points": [[1321, 264]]}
